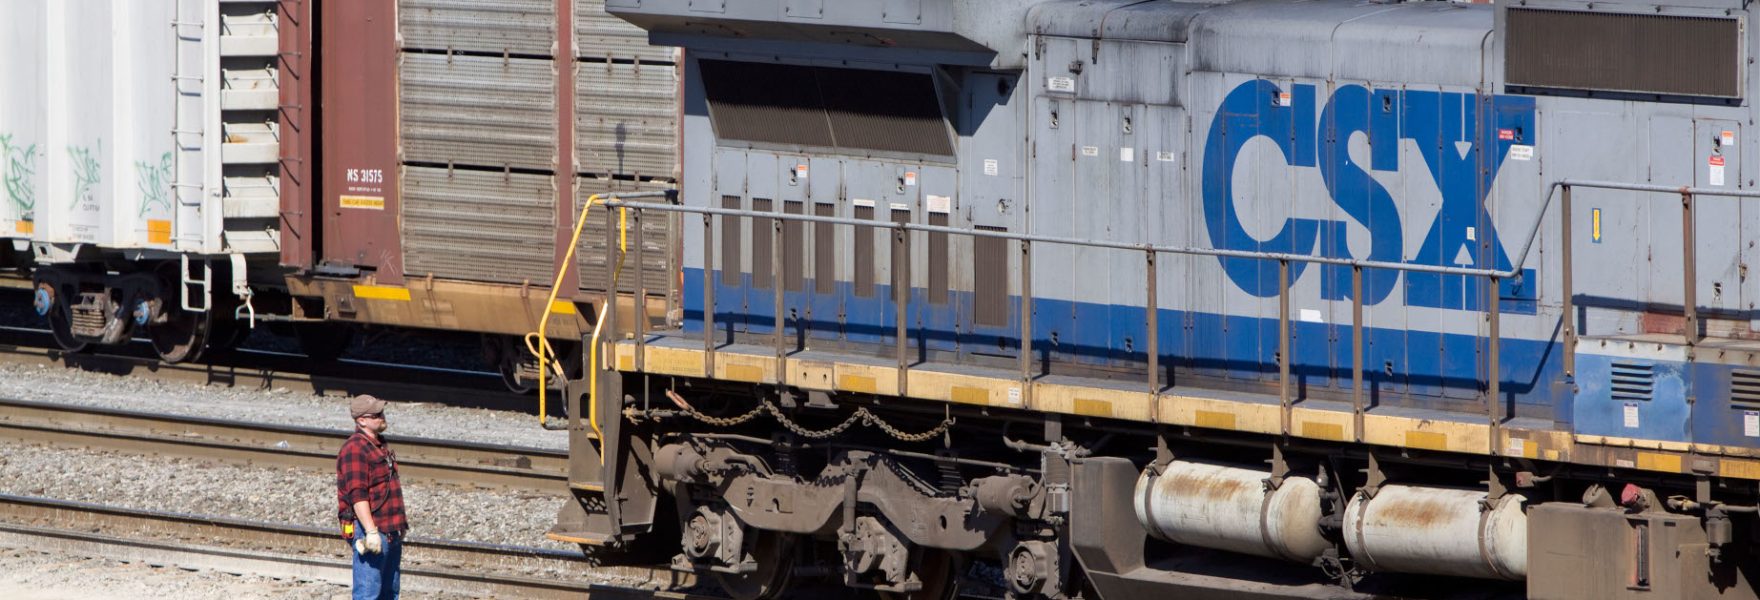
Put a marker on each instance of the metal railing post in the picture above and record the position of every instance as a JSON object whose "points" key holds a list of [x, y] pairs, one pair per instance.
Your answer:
{"points": [[776, 260], [1357, 352], [1026, 323], [901, 298], [1152, 302], [709, 294], [1283, 399], [1570, 311], [613, 255], [641, 299], [1494, 395], [1689, 270]]}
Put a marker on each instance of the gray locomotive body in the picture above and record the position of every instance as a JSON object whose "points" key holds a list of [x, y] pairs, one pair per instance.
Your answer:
{"points": [[1492, 256]]}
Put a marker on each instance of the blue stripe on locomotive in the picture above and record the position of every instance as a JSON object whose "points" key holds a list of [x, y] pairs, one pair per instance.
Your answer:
{"points": [[1233, 346]]}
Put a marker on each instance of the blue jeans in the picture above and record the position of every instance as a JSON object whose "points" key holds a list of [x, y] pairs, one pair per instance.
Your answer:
{"points": [[376, 575]]}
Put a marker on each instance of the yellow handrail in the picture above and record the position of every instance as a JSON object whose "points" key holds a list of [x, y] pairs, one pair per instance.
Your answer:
{"points": [[539, 346]]}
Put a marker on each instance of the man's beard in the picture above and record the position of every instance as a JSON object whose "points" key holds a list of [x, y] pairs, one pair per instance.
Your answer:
{"points": [[382, 427]]}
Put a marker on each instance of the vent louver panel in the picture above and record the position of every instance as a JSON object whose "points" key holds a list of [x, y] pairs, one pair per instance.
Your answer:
{"points": [[1632, 53], [1744, 390], [1633, 381]]}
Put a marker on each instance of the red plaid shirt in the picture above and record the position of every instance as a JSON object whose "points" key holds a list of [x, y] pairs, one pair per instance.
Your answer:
{"points": [[366, 469]]}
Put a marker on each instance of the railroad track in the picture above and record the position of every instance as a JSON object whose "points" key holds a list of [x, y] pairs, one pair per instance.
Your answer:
{"points": [[262, 369], [296, 552], [462, 463]]}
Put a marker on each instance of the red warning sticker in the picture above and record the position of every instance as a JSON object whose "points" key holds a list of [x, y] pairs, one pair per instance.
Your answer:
{"points": [[1716, 161], [1506, 134]]}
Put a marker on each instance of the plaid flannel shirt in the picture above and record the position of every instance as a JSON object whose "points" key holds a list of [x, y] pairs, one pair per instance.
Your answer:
{"points": [[366, 469]]}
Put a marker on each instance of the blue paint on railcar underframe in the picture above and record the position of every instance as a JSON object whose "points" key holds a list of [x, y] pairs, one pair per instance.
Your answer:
{"points": [[1241, 348]]}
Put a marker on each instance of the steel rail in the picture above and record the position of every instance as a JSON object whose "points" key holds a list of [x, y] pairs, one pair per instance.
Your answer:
{"points": [[463, 463], [284, 550], [257, 369]]}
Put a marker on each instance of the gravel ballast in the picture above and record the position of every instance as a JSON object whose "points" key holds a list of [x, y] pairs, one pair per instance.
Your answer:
{"points": [[274, 494], [27, 574]]}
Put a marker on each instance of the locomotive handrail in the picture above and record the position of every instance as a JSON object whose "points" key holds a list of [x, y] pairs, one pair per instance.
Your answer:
{"points": [[901, 245], [1024, 237], [1689, 271]]}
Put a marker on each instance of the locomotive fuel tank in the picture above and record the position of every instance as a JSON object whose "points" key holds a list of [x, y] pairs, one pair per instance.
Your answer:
{"points": [[1232, 508], [1438, 531]]}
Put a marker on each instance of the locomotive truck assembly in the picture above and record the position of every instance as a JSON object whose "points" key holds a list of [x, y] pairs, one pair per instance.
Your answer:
{"points": [[1067, 298]]}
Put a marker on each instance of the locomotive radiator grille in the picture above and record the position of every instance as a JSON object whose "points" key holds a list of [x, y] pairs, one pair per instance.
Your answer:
{"points": [[1628, 53]]}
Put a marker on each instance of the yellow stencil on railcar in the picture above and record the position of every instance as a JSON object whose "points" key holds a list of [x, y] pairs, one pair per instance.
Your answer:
{"points": [[158, 231], [381, 292]]}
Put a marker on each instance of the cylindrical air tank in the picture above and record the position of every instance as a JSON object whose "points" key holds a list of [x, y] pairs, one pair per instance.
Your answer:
{"points": [[1438, 531], [1229, 508]]}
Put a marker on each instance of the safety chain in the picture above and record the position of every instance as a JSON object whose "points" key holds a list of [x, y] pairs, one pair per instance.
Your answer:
{"points": [[727, 421], [861, 415]]}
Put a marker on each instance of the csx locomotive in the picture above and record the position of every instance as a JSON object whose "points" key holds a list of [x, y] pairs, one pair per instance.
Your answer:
{"points": [[1263, 298]]}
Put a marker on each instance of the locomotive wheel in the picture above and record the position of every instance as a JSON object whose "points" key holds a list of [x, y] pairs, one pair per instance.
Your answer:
{"points": [[940, 574], [774, 553], [60, 322]]}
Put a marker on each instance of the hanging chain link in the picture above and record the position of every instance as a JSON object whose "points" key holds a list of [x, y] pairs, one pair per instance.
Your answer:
{"points": [[724, 421], [861, 415]]}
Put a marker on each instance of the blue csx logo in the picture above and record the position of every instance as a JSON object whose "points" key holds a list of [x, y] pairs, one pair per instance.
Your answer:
{"points": [[1463, 139]]}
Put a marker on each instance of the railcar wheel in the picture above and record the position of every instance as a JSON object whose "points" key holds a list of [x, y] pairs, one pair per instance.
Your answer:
{"points": [[181, 337], [49, 305], [774, 553], [939, 572], [519, 370]]}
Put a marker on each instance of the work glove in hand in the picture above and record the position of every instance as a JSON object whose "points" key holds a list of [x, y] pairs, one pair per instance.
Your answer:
{"points": [[371, 543]]}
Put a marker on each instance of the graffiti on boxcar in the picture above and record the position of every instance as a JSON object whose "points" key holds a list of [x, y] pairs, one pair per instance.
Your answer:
{"points": [[155, 183], [18, 168], [87, 173], [1462, 138]]}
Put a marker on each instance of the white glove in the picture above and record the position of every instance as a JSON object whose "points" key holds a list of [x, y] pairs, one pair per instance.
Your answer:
{"points": [[370, 543]]}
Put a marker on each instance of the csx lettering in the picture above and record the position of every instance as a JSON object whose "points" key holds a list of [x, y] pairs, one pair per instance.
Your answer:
{"points": [[1462, 138]]}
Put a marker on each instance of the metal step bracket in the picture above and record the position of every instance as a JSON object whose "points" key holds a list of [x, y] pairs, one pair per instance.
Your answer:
{"points": [[206, 283]]}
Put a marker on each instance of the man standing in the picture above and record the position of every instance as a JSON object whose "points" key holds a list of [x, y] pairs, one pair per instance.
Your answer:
{"points": [[369, 502]]}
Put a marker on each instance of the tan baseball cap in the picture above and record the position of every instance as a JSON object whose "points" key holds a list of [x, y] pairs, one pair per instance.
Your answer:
{"points": [[365, 404]]}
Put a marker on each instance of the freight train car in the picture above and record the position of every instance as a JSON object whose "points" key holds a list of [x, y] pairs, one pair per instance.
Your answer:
{"points": [[141, 163], [458, 142], [186, 169], [1129, 299]]}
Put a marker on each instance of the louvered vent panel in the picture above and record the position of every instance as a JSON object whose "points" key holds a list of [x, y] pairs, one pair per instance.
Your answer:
{"points": [[1744, 390], [1672, 55], [1632, 381]]}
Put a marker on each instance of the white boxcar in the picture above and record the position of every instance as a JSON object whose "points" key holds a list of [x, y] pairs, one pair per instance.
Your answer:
{"points": [[139, 124], [141, 163]]}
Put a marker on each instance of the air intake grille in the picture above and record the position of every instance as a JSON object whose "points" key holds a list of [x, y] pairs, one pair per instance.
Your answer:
{"points": [[854, 109], [1633, 381], [1744, 390], [1647, 54]]}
